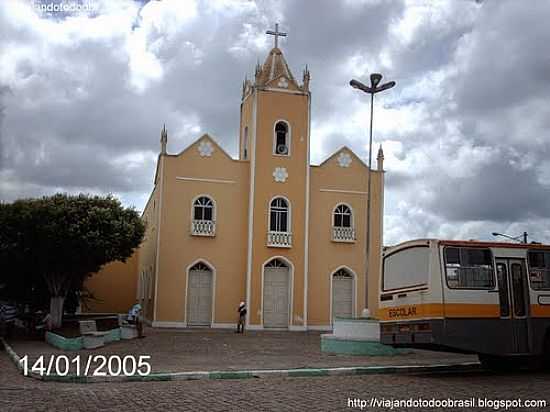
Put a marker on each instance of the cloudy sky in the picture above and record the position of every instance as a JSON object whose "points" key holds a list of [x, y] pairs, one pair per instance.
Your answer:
{"points": [[466, 132]]}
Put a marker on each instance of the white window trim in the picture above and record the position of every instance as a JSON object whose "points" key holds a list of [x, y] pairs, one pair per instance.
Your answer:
{"points": [[215, 208], [150, 283], [354, 292], [139, 285], [334, 210], [187, 270], [289, 223], [289, 138], [290, 292], [245, 143], [352, 227]]}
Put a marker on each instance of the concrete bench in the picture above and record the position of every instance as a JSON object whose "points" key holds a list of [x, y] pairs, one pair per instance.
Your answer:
{"points": [[128, 331], [122, 319], [91, 338]]}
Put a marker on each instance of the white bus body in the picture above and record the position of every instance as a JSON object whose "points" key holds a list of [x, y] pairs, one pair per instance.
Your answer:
{"points": [[467, 296]]}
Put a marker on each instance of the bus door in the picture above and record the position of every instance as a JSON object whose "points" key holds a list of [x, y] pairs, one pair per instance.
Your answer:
{"points": [[514, 302]]}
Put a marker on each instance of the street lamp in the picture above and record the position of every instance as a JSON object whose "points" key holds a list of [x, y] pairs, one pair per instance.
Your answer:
{"points": [[519, 238], [375, 79]]}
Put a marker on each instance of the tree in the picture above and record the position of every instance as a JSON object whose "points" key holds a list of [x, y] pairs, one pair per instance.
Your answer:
{"points": [[63, 239]]}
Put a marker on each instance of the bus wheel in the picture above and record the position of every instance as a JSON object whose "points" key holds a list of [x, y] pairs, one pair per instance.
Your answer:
{"points": [[491, 362], [495, 363]]}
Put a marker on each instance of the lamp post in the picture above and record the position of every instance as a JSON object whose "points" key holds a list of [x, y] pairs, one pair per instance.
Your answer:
{"points": [[519, 238], [375, 79]]}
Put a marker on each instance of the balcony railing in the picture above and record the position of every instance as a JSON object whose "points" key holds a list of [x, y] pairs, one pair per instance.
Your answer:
{"points": [[203, 228], [343, 234], [279, 239]]}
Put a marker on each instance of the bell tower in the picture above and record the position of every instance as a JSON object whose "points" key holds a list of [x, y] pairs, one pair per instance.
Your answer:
{"points": [[274, 138]]}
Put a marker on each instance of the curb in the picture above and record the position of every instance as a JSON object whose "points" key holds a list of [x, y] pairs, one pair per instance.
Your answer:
{"points": [[249, 374]]}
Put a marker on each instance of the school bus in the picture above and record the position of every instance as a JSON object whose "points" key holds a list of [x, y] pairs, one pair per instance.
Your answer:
{"points": [[488, 298]]}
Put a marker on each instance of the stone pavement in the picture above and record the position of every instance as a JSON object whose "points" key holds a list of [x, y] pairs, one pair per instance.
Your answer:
{"points": [[179, 350], [291, 394]]}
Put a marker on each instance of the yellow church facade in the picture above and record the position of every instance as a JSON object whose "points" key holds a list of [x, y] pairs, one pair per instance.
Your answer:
{"points": [[267, 228]]}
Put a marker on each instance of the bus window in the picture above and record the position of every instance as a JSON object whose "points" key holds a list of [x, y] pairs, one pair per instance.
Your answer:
{"points": [[518, 293], [539, 269], [502, 278], [469, 268], [406, 268]]}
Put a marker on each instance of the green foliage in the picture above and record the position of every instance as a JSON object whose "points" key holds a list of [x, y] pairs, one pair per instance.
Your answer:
{"points": [[63, 239]]}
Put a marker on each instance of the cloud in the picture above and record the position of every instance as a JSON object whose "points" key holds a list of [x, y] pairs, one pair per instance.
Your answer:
{"points": [[83, 97]]}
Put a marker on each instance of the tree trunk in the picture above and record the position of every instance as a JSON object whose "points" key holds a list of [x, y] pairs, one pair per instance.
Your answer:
{"points": [[56, 310]]}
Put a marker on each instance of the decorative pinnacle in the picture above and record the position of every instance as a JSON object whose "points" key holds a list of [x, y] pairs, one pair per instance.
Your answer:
{"points": [[163, 139], [380, 153]]}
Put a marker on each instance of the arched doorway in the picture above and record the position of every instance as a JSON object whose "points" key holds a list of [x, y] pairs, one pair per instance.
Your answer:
{"points": [[342, 294], [199, 295], [276, 299]]}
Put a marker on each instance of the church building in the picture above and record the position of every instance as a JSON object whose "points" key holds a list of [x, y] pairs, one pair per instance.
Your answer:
{"points": [[268, 228]]}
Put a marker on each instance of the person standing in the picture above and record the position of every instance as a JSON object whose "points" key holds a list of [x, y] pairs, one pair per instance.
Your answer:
{"points": [[242, 317]]}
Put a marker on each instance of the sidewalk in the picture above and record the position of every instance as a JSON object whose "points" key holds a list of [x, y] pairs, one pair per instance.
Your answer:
{"points": [[184, 350]]}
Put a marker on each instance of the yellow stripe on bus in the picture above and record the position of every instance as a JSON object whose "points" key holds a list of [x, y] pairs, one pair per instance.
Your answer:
{"points": [[438, 310], [540, 311]]}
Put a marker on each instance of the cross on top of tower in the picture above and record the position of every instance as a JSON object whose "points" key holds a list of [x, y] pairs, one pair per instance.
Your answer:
{"points": [[276, 33]]}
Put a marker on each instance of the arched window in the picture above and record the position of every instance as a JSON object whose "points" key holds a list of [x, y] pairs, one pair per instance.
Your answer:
{"points": [[276, 263], [203, 209], [342, 274], [281, 144], [151, 282], [245, 143], [279, 215], [342, 216], [200, 266], [141, 285], [204, 217]]}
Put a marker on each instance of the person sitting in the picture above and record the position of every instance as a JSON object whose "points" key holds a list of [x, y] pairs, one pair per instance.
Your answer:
{"points": [[8, 314], [44, 324], [134, 318]]}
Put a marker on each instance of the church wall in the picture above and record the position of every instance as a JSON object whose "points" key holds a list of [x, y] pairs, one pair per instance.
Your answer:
{"points": [[114, 287], [146, 270], [293, 108], [117, 284], [375, 264], [226, 252], [246, 123], [329, 184]]}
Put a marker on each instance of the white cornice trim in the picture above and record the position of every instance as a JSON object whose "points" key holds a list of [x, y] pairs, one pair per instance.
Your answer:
{"points": [[351, 192], [297, 328], [161, 324], [306, 223], [251, 206], [320, 327], [274, 89], [205, 180], [224, 325], [159, 225]]}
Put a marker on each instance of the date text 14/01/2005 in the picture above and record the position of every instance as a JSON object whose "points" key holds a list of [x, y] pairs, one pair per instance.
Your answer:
{"points": [[94, 365]]}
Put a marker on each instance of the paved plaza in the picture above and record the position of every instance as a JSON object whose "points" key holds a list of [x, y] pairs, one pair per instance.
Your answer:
{"points": [[179, 350], [191, 350], [18, 393]]}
